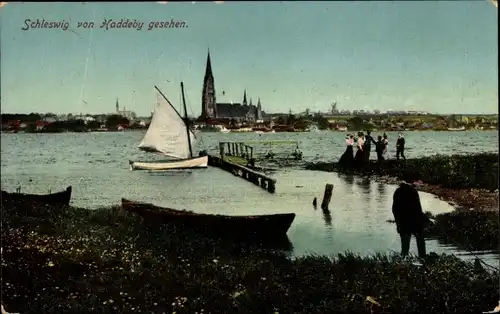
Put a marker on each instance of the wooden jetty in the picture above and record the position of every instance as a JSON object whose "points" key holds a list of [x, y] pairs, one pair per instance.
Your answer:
{"points": [[237, 152], [244, 172], [243, 154]]}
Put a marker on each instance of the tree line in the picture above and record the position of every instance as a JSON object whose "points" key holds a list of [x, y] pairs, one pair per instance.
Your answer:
{"points": [[111, 121]]}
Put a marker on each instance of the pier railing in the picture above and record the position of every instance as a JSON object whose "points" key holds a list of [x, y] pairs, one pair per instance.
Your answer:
{"points": [[235, 151]]}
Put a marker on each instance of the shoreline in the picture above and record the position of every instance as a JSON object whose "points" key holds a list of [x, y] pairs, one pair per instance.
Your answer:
{"points": [[68, 259], [202, 131], [461, 199], [460, 180], [74, 260]]}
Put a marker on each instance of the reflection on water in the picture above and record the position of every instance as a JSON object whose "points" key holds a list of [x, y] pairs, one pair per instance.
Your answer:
{"points": [[348, 178], [365, 188], [327, 217], [355, 221], [381, 191]]}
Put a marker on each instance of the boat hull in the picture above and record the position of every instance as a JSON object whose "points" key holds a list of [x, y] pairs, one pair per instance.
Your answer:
{"points": [[259, 226], [59, 198], [191, 163]]}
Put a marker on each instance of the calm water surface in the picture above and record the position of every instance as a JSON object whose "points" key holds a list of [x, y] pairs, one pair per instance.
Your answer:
{"points": [[96, 165]]}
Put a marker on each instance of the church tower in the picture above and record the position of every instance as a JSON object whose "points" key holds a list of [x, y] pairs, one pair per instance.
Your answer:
{"points": [[259, 110], [117, 106], [245, 98], [208, 102]]}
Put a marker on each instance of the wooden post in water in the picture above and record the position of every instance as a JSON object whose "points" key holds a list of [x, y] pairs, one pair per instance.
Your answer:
{"points": [[221, 150], [271, 186], [263, 183], [327, 196]]}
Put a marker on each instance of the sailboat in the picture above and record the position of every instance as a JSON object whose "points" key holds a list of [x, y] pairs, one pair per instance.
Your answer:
{"points": [[462, 128], [169, 135]]}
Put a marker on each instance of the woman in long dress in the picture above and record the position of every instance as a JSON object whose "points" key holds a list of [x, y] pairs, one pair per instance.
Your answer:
{"points": [[347, 157], [360, 155], [386, 144]]}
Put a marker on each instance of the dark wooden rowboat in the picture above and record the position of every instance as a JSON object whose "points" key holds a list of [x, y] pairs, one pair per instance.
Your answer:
{"points": [[259, 226], [59, 198]]}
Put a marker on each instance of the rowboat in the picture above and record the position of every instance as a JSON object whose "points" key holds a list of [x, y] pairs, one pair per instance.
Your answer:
{"points": [[259, 226], [59, 198]]}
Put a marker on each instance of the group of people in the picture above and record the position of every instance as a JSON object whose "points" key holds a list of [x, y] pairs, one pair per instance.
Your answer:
{"points": [[406, 208], [363, 144]]}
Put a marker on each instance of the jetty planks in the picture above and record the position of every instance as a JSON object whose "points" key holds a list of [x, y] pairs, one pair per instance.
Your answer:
{"points": [[243, 172]]}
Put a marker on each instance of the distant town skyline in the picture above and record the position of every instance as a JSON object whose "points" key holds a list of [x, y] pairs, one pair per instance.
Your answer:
{"points": [[439, 57]]}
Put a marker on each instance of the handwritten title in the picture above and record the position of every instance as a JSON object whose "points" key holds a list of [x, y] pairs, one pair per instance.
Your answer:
{"points": [[106, 24]]}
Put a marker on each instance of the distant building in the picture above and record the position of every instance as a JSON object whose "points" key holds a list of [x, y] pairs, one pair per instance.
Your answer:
{"points": [[334, 108], [130, 115], [85, 117], [101, 118], [211, 109], [49, 119]]}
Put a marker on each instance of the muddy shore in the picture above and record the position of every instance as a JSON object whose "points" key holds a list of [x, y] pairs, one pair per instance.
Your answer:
{"points": [[69, 260]]}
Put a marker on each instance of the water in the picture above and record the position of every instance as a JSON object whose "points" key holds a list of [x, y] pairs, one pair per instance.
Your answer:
{"points": [[328, 146], [96, 165]]}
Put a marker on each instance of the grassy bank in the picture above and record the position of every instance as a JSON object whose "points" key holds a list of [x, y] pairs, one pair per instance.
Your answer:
{"points": [[479, 171], [61, 260], [470, 230], [465, 229]]}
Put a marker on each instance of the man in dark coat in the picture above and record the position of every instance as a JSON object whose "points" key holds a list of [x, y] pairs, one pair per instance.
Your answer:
{"points": [[368, 145], [379, 148], [408, 214]]}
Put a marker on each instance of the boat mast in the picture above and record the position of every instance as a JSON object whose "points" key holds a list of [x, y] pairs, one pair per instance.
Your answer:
{"points": [[186, 121]]}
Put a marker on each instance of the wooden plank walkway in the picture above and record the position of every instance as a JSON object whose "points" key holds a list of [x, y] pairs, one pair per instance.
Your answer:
{"points": [[243, 172]]}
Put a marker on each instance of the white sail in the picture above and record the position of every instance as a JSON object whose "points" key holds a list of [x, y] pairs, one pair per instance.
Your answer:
{"points": [[167, 132]]}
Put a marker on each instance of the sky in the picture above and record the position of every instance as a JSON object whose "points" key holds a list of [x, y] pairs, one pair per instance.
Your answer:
{"points": [[435, 56]]}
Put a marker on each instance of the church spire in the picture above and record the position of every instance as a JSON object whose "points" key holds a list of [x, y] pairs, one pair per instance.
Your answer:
{"points": [[208, 69], [117, 106], [245, 98], [259, 111], [208, 100]]}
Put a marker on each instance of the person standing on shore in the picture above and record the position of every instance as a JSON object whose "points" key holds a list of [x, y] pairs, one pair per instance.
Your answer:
{"points": [[368, 145], [360, 155], [400, 147], [379, 148], [408, 214], [386, 142], [347, 158]]}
